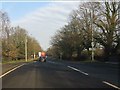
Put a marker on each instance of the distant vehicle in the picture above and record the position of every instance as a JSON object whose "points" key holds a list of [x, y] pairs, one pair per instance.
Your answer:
{"points": [[42, 57]]}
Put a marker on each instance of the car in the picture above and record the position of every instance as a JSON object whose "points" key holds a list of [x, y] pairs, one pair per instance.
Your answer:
{"points": [[42, 59]]}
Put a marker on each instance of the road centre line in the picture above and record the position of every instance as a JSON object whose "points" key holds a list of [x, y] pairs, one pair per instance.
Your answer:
{"points": [[11, 70], [50, 62], [87, 74], [111, 85], [77, 70], [55, 62]]}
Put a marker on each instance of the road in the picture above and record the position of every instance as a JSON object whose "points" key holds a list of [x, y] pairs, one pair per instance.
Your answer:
{"points": [[8, 66], [53, 74]]}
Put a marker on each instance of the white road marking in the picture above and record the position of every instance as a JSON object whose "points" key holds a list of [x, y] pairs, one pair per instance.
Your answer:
{"points": [[77, 70], [111, 85], [50, 62], [55, 62], [11, 70]]}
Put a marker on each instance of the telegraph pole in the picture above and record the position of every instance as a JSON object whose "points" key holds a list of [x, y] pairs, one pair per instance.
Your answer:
{"points": [[33, 48], [92, 47], [92, 44], [26, 48]]}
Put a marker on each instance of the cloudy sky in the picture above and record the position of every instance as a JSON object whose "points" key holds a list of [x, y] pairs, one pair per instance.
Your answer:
{"points": [[40, 19]]}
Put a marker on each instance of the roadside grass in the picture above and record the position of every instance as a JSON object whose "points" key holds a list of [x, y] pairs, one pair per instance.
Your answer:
{"points": [[17, 61]]}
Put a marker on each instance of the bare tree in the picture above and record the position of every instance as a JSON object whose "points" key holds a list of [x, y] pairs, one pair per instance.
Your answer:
{"points": [[107, 22], [5, 30]]}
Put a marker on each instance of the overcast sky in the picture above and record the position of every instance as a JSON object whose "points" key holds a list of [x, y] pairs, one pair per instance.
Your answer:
{"points": [[40, 19]]}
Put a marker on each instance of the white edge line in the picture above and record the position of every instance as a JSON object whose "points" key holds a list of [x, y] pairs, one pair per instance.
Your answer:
{"points": [[77, 70], [11, 70], [111, 85]]}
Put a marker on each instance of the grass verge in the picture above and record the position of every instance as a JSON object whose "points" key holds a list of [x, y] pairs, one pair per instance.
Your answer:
{"points": [[16, 61]]}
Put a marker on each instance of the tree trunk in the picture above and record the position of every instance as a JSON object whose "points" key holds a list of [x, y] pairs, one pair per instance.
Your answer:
{"points": [[107, 53], [78, 53]]}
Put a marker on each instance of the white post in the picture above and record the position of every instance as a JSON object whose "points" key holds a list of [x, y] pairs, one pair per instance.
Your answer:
{"points": [[34, 55]]}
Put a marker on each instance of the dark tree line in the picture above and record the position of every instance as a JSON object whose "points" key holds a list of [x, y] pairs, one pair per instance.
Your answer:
{"points": [[92, 24]]}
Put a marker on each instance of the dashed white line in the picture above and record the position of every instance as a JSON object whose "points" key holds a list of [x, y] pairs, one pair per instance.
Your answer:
{"points": [[55, 62], [50, 62], [11, 70], [77, 70], [111, 85]]}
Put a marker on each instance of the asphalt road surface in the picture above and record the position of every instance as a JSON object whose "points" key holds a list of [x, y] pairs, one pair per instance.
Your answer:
{"points": [[52, 74]]}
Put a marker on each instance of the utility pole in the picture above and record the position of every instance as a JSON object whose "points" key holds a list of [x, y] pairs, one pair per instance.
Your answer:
{"points": [[92, 47], [92, 44], [26, 48], [33, 48]]}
